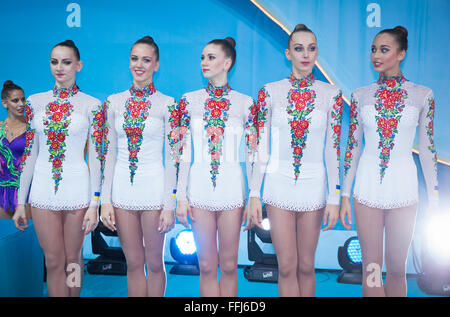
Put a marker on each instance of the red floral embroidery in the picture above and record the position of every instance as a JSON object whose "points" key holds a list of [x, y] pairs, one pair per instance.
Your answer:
{"points": [[215, 117], [430, 130], [300, 105], [351, 143], [56, 122], [100, 133], [389, 104], [29, 135], [137, 108]]}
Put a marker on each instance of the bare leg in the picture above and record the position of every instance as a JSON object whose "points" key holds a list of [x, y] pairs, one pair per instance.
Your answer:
{"points": [[73, 245], [49, 230], [284, 239], [308, 231], [370, 228], [205, 234], [399, 225], [229, 228], [154, 257], [131, 238]]}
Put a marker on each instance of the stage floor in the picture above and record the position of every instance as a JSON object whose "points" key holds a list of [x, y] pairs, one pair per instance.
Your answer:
{"points": [[188, 286]]}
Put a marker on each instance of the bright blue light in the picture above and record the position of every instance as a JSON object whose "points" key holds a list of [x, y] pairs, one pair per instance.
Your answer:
{"points": [[185, 242], [354, 251]]}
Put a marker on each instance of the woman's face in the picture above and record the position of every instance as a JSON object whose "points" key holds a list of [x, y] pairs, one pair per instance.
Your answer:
{"points": [[143, 63], [214, 62], [15, 103], [386, 55], [302, 52], [64, 66]]}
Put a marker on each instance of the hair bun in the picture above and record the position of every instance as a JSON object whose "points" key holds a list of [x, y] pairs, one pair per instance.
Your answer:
{"points": [[148, 38], [301, 27], [231, 41], [8, 83], [402, 30], [69, 42]]}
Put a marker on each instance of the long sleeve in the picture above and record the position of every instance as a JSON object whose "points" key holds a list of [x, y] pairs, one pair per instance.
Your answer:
{"points": [[109, 151], [332, 149], [427, 150], [171, 157], [95, 146], [353, 151], [261, 117], [185, 148], [250, 139], [29, 155]]}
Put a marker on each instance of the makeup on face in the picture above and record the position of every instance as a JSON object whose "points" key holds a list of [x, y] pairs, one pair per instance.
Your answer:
{"points": [[385, 55], [143, 64], [15, 102], [213, 63], [302, 52], [64, 66]]}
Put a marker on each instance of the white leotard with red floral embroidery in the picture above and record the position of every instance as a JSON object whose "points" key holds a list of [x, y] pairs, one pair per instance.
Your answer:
{"points": [[299, 121], [387, 113], [212, 124], [59, 124], [140, 165]]}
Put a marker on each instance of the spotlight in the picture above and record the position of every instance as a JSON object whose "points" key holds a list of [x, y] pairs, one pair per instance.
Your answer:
{"points": [[435, 254], [112, 259], [265, 268], [350, 259], [184, 251]]}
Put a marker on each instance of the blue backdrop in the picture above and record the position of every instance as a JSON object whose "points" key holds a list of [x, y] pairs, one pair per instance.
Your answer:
{"points": [[104, 31]]}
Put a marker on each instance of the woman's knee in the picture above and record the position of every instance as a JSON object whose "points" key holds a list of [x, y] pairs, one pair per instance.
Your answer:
{"points": [[55, 261], [305, 266], [155, 263], [228, 266], [135, 261], [287, 267]]}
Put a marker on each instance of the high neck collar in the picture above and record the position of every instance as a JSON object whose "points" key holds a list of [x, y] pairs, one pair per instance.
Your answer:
{"points": [[143, 92], [391, 81], [64, 93], [219, 91], [302, 82]]}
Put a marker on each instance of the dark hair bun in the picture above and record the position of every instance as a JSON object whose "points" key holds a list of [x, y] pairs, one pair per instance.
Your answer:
{"points": [[148, 39], [231, 41], [8, 83], [301, 27], [402, 30], [70, 43]]}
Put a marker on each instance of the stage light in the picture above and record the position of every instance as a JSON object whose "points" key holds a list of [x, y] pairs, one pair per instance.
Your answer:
{"points": [[265, 268], [435, 255], [437, 234], [111, 259], [266, 224], [184, 251], [350, 259]]}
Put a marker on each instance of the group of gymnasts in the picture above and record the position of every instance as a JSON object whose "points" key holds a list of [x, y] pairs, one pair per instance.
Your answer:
{"points": [[147, 158]]}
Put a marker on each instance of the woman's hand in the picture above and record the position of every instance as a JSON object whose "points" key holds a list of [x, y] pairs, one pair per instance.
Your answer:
{"points": [[331, 216], [90, 220], [166, 221], [183, 211], [20, 218], [107, 216], [346, 210], [253, 214]]}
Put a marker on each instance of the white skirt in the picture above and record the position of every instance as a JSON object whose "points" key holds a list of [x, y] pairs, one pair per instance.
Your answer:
{"points": [[73, 190], [399, 187], [146, 192], [228, 194], [308, 193]]}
